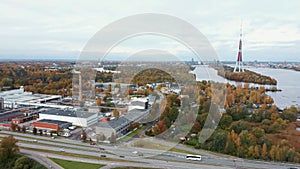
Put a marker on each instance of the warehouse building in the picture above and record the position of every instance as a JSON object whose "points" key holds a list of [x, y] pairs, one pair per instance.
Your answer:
{"points": [[18, 97], [119, 126], [77, 118], [51, 125]]}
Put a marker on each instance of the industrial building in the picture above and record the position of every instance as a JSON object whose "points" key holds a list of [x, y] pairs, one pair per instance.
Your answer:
{"points": [[11, 114], [119, 126], [17, 97], [51, 125], [77, 118]]}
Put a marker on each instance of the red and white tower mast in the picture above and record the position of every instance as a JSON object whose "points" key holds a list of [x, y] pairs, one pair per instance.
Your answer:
{"points": [[239, 62]]}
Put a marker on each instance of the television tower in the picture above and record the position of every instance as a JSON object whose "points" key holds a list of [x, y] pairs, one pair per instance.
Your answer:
{"points": [[239, 62]]}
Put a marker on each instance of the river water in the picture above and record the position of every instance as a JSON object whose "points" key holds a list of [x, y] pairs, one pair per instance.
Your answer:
{"points": [[287, 80]]}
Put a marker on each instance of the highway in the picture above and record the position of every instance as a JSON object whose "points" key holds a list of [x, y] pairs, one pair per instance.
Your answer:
{"points": [[150, 158]]}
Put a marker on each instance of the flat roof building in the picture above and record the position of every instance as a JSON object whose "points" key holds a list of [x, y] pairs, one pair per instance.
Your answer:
{"points": [[52, 125], [77, 118], [11, 114], [13, 98]]}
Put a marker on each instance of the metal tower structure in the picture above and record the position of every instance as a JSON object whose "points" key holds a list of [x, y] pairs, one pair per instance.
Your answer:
{"points": [[239, 62]]}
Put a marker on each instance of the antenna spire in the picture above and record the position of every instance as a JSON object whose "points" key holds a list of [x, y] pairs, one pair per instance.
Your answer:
{"points": [[239, 63]]}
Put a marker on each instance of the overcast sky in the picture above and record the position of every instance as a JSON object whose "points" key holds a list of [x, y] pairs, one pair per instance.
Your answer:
{"points": [[55, 29]]}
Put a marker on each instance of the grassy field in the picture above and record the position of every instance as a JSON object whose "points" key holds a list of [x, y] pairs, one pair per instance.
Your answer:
{"points": [[130, 135], [76, 165], [149, 145]]}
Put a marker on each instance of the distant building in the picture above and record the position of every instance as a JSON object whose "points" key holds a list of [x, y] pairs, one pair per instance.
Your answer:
{"points": [[77, 118], [11, 114], [15, 98]]}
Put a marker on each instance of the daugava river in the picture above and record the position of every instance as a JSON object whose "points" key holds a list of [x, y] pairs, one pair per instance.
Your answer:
{"points": [[287, 80]]}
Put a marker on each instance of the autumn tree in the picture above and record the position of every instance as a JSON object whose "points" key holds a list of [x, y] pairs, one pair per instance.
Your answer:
{"points": [[130, 127], [116, 113], [98, 102], [83, 136], [23, 129], [9, 148], [264, 151], [13, 127]]}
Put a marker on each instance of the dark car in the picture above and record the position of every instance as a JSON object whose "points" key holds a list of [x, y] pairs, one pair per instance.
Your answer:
{"points": [[102, 155]]}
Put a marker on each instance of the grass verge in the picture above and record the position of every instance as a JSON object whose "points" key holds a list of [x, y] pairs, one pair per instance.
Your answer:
{"points": [[66, 164], [129, 167]]}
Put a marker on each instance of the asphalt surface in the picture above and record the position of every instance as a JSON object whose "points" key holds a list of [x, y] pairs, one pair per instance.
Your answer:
{"points": [[150, 158]]}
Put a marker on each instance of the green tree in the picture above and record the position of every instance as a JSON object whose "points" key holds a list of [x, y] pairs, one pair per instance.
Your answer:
{"points": [[258, 132], [289, 114], [34, 131], [225, 121], [27, 163], [240, 126], [219, 141]]}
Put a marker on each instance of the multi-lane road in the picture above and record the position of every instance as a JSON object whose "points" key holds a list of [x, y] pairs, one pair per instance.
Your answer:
{"points": [[42, 147]]}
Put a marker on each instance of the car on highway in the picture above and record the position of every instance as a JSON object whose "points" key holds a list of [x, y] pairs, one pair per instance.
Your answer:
{"points": [[102, 155], [193, 157], [101, 148], [62, 150]]}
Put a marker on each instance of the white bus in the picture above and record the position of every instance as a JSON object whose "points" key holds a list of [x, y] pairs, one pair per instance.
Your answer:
{"points": [[193, 157]]}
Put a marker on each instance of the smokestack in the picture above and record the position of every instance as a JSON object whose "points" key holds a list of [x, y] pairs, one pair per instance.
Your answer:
{"points": [[80, 88], [1, 103]]}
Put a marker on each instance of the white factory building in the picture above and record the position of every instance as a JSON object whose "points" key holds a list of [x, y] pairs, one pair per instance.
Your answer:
{"points": [[77, 118], [17, 97]]}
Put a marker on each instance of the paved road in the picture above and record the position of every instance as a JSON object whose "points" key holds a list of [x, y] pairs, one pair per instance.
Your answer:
{"points": [[157, 158]]}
